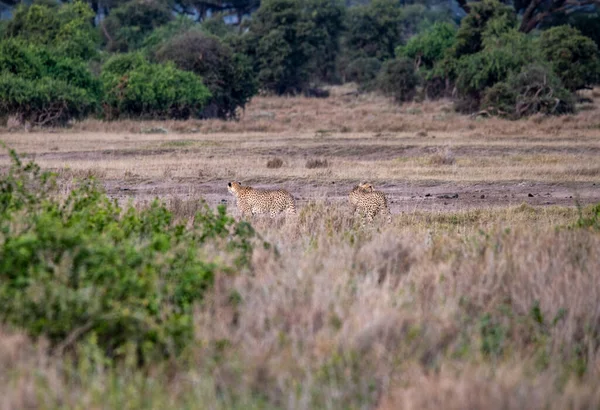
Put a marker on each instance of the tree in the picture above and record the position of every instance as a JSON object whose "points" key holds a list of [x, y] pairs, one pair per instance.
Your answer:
{"points": [[327, 18], [429, 47], [469, 38], [374, 30], [228, 76], [133, 87], [284, 38], [535, 12], [127, 25], [573, 56], [67, 28], [398, 79]]}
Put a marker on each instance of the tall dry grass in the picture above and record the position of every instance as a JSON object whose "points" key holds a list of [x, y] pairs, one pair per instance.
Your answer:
{"points": [[488, 309]]}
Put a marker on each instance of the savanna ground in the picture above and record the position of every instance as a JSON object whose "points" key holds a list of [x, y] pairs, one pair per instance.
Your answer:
{"points": [[482, 293]]}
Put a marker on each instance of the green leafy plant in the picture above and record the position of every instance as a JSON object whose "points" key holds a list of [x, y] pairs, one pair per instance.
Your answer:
{"points": [[85, 267], [228, 76], [133, 87], [535, 90], [398, 79], [573, 56]]}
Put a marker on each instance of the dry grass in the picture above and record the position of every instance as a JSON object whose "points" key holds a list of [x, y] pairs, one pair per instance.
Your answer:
{"points": [[316, 163], [436, 308], [275, 163], [484, 301]]}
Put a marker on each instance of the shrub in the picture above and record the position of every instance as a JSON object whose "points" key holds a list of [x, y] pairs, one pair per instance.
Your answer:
{"points": [[494, 64], [398, 79], [574, 57], [363, 71], [275, 163], [134, 87], [67, 28], [44, 88], [85, 268], [536, 89], [43, 102], [316, 163], [228, 76], [429, 47]]}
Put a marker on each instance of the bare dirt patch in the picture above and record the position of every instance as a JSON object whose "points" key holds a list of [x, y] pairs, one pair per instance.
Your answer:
{"points": [[424, 156]]}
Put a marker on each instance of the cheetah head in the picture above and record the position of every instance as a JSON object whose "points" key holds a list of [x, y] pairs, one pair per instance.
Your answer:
{"points": [[365, 187], [234, 187]]}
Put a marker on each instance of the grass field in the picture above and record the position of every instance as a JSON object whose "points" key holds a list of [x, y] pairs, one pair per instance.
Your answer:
{"points": [[482, 293]]}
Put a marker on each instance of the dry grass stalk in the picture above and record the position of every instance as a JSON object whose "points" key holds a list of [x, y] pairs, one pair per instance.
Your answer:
{"points": [[274, 163]]}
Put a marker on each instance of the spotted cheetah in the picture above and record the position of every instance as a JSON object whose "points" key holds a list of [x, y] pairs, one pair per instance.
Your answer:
{"points": [[251, 201], [369, 202]]}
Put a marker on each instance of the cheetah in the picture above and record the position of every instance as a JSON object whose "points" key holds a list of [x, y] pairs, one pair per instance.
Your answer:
{"points": [[369, 202], [251, 201]]}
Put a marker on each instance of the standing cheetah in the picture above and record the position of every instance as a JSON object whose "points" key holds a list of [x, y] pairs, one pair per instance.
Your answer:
{"points": [[252, 201], [369, 202]]}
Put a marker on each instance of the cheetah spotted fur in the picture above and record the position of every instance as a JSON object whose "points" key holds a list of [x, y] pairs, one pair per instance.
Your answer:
{"points": [[251, 201], [369, 202]]}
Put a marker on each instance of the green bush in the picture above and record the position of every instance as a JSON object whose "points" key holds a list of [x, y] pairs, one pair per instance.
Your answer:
{"points": [[134, 87], [363, 71], [67, 28], [494, 64], [43, 102], [574, 57], [228, 76], [430, 46], [535, 90], [398, 79], [44, 88], [85, 268]]}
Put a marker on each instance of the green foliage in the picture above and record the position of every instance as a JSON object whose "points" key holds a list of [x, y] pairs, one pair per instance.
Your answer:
{"points": [[86, 268], [44, 88], [127, 26], [494, 64], [430, 46], [228, 76], [535, 90], [591, 221], [327, 23], [67, 28], [398, 79], [486, 18], [374, 30], [573, 56], [166, 32], [135, 87], [43, 102], [363, 71], [290, 40]]}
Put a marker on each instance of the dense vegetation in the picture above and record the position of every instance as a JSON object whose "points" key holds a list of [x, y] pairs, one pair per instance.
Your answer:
{"points": [[82, 267], [202, 67]]}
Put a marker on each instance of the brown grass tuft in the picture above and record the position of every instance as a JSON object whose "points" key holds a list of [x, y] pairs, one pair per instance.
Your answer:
{"points": [[442, 157], [316, 163], [275, 163]]}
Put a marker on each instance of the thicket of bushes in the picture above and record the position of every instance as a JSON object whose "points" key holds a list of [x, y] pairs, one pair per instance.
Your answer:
{"points": [[85, 268], [285, 47]]}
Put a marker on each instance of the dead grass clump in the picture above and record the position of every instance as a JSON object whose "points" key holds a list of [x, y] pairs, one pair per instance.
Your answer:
{"points": [[275, 163], [317, 163], [442, 157]]}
